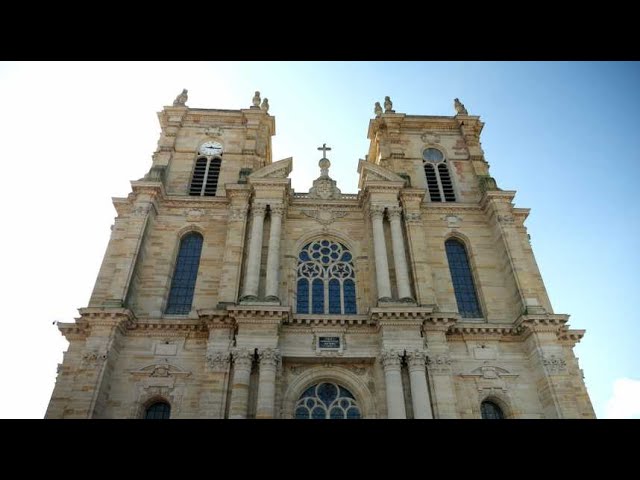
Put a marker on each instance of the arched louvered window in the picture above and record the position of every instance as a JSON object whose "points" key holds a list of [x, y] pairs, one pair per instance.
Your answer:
{"points": [[184, 277], [438, 176], [205, 177], [326, 279], [490, 410], [462, 279], [158, 411]]}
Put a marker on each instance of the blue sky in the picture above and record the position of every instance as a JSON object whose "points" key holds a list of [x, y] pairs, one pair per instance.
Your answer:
{"points": [[564, 135]]}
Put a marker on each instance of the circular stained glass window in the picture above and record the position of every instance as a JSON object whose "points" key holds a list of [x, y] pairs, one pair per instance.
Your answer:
{"points": [[432, 155]]}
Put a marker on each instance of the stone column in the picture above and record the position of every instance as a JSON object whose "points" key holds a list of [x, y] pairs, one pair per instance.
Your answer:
{"points": [[399, 255], [273, 256], [395, 395], [269, 359], [252, 276], [380, 252], [419, 389], [242, 359]]}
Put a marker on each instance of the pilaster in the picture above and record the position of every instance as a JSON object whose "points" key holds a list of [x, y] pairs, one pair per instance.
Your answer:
{"points": [[234, 244]]}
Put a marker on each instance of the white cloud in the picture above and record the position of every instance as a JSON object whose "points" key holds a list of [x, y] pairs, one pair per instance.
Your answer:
{"points": [[625, 401]]}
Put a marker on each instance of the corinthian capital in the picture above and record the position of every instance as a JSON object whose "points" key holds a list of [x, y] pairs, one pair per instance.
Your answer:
{"points": [[269, 356], [242, 358], [218, 360], [376, 211], [258, 209], [394, 213], [416, 359], [390, 359], [277, 210]]}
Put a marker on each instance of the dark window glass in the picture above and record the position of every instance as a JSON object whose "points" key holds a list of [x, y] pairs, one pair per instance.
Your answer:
{"points": [[334, 296], [349, 296], [303, 296], [184, 277], [462, 279], [491, 411], [327, 400], [158, 411], [317, 298], [326, 268]]}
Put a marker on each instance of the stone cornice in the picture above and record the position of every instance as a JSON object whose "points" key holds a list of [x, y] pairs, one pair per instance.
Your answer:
{"points": [[440, 321], [496, 195], [397, 316], [440, 207], [238, 192], [415, 194], [570, 337], [541, 323], [122, 318], [165, 327], [259, 314], [410, 123], [216, 319], [148, 186], [484, 331], [329, 320], [73, 331]]}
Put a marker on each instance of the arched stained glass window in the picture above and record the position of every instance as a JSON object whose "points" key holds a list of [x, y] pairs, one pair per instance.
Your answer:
{"points": [[327, 400], [326, 279], [158, 411], [462, 279], [184, 277], [490, 410]]}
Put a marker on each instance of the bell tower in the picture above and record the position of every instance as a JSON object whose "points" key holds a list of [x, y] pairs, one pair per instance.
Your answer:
{"points": [[239, 139]]}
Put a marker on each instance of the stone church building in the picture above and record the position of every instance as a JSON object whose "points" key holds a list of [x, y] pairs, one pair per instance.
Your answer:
{"points": [[224, 293]]}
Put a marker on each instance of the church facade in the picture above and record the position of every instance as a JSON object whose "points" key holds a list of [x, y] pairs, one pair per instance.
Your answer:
{"points": [[224, 293]]}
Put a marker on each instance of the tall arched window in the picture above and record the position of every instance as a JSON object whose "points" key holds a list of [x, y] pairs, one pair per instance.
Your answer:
{"points": [[158, 411], [326, 279], [462, 279], [490, 410], [439, 181], [184, 277], [205, 177], [327, 400]]}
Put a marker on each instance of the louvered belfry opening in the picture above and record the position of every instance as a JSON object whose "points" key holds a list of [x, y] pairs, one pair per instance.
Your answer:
{"points": [[205, 177]]}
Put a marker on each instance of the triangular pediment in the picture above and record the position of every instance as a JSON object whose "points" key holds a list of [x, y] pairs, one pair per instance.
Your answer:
{"points": [[370, 172], [279, 169]]}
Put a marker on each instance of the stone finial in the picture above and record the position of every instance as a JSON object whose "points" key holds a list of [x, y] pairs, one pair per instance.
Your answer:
{"points": [[181, 99], [459, 106], [388, 105], [256, 100], [265, 105], [377, 109]]}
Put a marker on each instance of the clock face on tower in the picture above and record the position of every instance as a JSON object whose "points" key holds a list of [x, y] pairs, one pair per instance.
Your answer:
{"points": [[210, 148]]}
